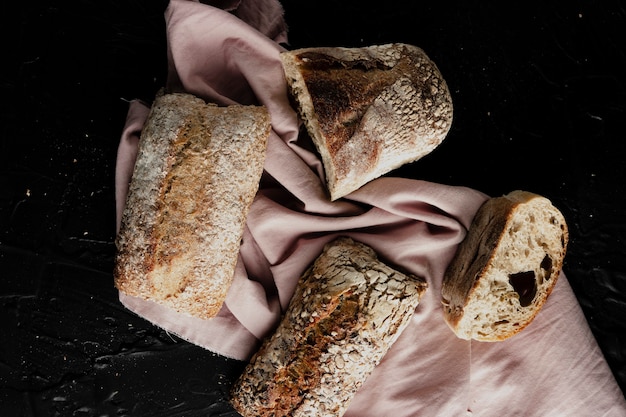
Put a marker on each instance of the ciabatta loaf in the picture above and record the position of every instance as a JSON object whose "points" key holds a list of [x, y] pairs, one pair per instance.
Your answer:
{"points": [[196, 174], [506, 267], [348, 309], [368, 110]]}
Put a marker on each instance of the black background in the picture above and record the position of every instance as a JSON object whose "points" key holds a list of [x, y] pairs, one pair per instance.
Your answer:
{"points": [[539, 91]]}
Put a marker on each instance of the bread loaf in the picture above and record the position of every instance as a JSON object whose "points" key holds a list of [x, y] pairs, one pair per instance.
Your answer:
{"points": [[506, 267], [368, 110], [196, 174], [348, 309]]}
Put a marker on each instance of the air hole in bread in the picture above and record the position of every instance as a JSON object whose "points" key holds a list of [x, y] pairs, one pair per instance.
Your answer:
{"points": [[525, 285], [546, 265]]}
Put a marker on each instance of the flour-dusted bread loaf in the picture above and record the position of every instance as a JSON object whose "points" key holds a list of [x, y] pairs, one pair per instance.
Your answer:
{"points": [[348, 309], [506, 267], [196, 174], [368, 110]]}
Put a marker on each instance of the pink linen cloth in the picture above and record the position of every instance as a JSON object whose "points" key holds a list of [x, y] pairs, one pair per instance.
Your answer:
{"points": [[553, 368]]}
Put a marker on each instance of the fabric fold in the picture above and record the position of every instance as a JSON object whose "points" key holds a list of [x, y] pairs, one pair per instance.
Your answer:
{"points": [[553, 367]]}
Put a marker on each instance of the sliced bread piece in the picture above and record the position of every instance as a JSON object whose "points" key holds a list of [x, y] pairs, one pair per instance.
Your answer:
{"points": [[368, 110], [196, 174], [506, 267], [348, 310]]}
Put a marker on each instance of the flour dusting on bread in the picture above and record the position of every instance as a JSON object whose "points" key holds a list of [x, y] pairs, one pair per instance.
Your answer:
{"points": [[368, 110], [348, 310], [197, 171]]}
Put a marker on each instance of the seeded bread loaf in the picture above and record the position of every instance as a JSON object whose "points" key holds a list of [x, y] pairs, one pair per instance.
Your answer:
{"points": [[196, 174], [347, 311], [506, 267], [368, 110]]}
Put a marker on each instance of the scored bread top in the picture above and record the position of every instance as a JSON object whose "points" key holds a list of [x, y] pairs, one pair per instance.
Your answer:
{"points": [[368, 110], [197, 171]]}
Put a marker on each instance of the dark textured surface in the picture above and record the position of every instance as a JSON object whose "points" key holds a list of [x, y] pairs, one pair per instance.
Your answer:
{"points": [[540, 104]]}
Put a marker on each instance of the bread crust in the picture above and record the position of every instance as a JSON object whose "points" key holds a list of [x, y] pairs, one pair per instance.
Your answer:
{"points": [[196, 174], [347, 311], [368, 110], [506, 267]]}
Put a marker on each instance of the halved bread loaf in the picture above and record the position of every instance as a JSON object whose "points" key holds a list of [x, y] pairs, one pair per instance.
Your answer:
{"points": [[347, 311], [196, 174], [368, 110], [506, 267]]}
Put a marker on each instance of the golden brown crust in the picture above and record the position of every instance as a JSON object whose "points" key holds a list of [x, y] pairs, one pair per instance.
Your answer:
{"points": [[368, 110], [473, 254], [197, 171], [348, 309]]}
